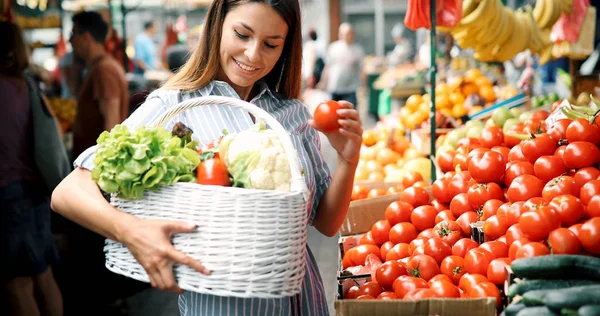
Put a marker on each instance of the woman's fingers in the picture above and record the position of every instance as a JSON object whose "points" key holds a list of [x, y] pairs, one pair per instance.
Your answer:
{"points": [[180, 257], [351, 126], [346, 104], [168, 279]]}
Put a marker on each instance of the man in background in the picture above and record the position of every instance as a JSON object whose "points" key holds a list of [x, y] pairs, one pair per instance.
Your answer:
{"points": [[145, 50], [343, 73]]}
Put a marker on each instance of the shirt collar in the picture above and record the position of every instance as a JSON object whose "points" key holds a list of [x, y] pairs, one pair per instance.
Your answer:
{"points": [[264, 88]]}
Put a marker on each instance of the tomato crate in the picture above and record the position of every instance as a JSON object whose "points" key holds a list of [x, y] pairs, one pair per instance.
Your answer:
{"points": [[421, 307], [345, 243]]}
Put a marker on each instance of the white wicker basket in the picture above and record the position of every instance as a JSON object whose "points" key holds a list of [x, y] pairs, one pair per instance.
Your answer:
{"points": [[252, 241]]}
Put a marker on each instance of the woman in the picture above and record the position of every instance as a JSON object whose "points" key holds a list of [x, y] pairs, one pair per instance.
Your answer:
{"points": [[28, 247], [259, 60]]}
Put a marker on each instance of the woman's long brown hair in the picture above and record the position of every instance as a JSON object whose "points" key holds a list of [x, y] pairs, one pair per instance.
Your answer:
{"points": [[14, 54], [203, 65]]}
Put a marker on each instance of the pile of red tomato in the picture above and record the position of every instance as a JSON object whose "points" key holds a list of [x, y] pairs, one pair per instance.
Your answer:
{"points": [[536, 196]]}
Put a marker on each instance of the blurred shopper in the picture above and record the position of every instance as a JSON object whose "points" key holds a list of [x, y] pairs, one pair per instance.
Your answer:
{"points": [[313, 63], [102, 96], [145, 50], [403, 50], [32, 162], [343, 73]]}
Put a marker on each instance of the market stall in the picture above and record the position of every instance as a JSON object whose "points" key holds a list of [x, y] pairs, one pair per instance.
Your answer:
{"points": [[512, 199]]}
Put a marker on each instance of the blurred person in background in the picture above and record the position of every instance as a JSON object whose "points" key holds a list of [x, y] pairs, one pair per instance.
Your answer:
{"points": [[28, 174], [145, 50], [343, 73], [403, 50], [102, 95], [312, 63]]}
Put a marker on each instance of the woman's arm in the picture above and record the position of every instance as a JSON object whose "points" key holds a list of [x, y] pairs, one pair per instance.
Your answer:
{"points": [[347, 141], [334, 204], [78, 198]]}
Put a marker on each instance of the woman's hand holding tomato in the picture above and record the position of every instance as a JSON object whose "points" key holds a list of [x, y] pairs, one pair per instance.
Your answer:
{"points": [[340, 122]]}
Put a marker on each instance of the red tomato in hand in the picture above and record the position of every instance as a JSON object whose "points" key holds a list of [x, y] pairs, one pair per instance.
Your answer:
{"points": [[326, 117]]}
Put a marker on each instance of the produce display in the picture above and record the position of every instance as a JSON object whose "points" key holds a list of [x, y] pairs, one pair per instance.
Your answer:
{"points": [[533, 186], [461, 95], [65, 110], [130, 163]]}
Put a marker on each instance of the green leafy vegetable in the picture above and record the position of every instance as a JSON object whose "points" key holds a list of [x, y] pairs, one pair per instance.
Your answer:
{"points": [[131, 163]]}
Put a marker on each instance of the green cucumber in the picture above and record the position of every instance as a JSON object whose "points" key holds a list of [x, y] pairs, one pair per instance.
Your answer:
{"points": [[558, 267], [536, 311], [514, 308], [534, 298], [544, 284], [572, 298], [589, 310]]}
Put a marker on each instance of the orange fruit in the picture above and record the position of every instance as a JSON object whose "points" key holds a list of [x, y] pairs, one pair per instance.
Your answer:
{"points": [[459, 110], [469, 88], [387, 156], [442, 101], [472, 74], [377, 176], [442, 88], [483, 81], [369, 138], [374, 166], [488, 93], [413, 102], [457, 98]]}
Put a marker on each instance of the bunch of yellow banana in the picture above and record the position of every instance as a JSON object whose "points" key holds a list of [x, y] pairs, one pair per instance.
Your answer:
{"points": [[497, 33], [547, 12]]}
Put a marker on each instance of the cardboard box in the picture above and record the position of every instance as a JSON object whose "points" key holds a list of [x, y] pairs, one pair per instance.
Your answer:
{"points": [[423, 307], [362, 214]]}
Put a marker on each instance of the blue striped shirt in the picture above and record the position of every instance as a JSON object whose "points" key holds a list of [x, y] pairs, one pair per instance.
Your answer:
{"points": [[208, 122]]}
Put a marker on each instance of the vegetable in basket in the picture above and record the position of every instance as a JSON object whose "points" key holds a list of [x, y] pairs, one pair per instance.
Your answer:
{"points": [[255, 159], [131, 163]]}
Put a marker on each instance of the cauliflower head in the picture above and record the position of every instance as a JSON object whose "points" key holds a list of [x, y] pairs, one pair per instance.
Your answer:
{"points": [[255, 159]]}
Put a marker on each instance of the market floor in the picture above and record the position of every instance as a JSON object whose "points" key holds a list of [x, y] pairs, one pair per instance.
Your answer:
{"points": [[156, 303]]}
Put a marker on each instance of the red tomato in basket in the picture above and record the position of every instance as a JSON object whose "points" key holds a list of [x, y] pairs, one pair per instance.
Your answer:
{"points": [[326, 118], [212, 170]]}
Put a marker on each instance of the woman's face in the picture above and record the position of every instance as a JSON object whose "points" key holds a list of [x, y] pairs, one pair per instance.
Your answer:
{"points": [[252, 40]]}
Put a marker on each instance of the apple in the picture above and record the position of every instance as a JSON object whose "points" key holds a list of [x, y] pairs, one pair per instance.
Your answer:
{"points": [[525, 116], [509, 124], [474, 131], [500, 116], [454, 136], [489, 123], [516, 111], [472, 123]]}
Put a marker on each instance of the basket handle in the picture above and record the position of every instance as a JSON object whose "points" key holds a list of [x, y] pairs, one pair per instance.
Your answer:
{"points": [[297, 183]]}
